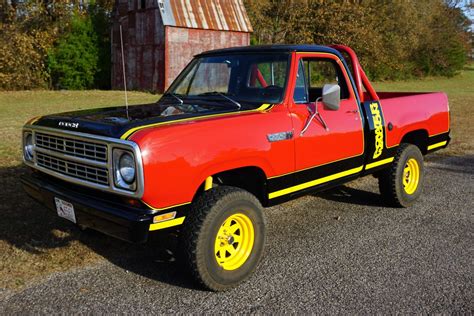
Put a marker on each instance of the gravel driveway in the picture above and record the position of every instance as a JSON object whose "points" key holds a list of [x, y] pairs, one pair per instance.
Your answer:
{"points": [[337, 252]]}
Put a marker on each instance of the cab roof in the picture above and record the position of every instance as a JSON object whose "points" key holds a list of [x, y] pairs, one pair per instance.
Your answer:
{"points": [[281, 48]]}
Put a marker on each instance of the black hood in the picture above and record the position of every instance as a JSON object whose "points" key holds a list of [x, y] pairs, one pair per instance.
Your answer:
{"points": [[113, 121]]}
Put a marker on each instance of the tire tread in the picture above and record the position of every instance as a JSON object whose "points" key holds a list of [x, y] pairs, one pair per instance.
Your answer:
{"points": [[388, 181], [200, 210]]}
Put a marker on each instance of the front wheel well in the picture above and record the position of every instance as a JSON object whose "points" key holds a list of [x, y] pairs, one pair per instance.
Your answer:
{"points": [[419, 138], [251, 179]]}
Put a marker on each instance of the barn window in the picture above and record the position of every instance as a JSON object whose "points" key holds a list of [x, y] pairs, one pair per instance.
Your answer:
{"points": [[143, 4]]}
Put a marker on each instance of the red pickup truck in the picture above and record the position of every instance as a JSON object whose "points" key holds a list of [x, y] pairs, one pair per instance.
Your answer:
{"points": [[239, 129]]}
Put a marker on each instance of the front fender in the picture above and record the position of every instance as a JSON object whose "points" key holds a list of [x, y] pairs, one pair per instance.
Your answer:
{"points": [[179, 157]]}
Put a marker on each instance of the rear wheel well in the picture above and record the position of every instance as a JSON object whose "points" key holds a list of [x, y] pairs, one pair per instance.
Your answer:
{"points": [[251, 179], [418, 138]]}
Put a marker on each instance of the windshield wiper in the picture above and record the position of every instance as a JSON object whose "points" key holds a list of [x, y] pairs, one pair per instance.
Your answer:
{"points": [[224, 96]]}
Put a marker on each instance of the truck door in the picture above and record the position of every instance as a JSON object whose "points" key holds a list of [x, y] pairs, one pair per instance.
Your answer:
{"points": [[323, 155]]}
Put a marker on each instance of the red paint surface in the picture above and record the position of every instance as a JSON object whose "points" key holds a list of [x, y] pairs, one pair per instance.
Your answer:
{"points": [[318, 146], [178, 157], [414, 111]]}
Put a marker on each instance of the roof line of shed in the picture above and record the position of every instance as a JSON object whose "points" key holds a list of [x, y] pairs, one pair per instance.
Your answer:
{"points": [[219, 15]]}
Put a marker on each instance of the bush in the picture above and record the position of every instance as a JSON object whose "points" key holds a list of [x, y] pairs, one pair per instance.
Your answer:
{"points": [[73, 62], [22, 59], [101, 22], [24, 41], [443, 50]]}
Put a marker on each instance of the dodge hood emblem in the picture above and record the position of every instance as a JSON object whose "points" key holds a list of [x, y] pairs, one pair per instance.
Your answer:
{"points": [[68, 124]]}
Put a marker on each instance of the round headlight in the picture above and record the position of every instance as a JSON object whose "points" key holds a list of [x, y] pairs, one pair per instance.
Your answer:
{"points": [[127, 168], [28, 149]]}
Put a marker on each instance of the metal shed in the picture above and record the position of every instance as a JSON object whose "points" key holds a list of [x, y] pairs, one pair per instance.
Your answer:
{"points": [[161, 36]]}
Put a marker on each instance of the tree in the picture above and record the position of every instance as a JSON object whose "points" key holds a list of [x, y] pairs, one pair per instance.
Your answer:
{"points": [[73, 62], [394, 39], [32, 29], [25, 38]]}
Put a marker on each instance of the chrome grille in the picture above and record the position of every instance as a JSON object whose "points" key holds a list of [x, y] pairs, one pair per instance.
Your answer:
{"points": [[81, 158], [72, 147], [73, 169]]}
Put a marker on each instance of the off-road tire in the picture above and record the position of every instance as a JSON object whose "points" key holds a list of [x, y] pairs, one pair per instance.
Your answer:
{"points": [[200, 229], [391, 180]]}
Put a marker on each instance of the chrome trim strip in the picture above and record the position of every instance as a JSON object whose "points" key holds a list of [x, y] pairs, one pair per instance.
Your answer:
{"points": [[111, 143], [47, 140], [93, 163], [94, 175], [72, 179]]}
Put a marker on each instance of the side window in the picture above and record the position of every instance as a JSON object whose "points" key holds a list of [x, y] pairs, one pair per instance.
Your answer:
{"points": [[323, 71], [300, 94]]}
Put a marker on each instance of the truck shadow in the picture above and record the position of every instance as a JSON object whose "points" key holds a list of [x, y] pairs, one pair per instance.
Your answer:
{"points": [[30, 233], [345, 194], [33, 236], [159, 259], [456, 164]]}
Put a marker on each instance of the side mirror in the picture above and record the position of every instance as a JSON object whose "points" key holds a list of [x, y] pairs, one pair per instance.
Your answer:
{"points": [[332, 96]]}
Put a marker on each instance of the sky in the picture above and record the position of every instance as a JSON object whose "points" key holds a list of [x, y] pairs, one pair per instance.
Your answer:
{"points": [[469, 12]]}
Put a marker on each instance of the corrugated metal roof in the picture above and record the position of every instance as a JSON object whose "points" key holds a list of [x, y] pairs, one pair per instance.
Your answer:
{"points": [[227, 15]]}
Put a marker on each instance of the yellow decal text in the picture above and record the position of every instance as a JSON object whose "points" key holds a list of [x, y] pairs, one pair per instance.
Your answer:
{"points": [[377, 118]]}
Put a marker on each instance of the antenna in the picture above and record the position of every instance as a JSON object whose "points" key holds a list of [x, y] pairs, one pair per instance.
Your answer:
{"points": [[123, 70]]}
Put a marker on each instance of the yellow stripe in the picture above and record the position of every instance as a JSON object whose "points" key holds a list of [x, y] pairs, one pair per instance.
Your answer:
{"points": [[34, 120], [164, 208], [166, 224], [378, 163], [208, 183], [314, 182], [263, 107], [437, 145]]}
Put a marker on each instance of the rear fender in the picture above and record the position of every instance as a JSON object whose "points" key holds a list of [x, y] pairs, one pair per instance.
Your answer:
{"points": [[418, 138]]}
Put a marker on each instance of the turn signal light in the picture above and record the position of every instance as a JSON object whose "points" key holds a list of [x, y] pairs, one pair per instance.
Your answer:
{"points": [[164, 217]]}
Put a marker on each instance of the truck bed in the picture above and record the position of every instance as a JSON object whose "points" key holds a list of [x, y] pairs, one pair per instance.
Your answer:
{"points": [[407, 111]]}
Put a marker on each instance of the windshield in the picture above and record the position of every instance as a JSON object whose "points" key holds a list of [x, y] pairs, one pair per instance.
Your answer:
{"points": [[231, 81]]}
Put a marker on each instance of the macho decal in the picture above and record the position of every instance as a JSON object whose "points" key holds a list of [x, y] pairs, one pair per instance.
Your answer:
{"points": [[378, 128]]}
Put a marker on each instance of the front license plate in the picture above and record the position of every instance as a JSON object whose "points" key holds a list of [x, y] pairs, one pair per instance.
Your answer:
{"points": [[65, 209]]}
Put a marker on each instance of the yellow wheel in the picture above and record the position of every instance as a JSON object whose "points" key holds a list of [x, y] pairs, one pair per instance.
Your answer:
{"points": [[411, 176], [223, 237], [401, 183], [234, 241]]}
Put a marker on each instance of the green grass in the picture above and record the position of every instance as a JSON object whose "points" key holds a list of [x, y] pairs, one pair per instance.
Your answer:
{"points": [[34, 242], [19, 106]]}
